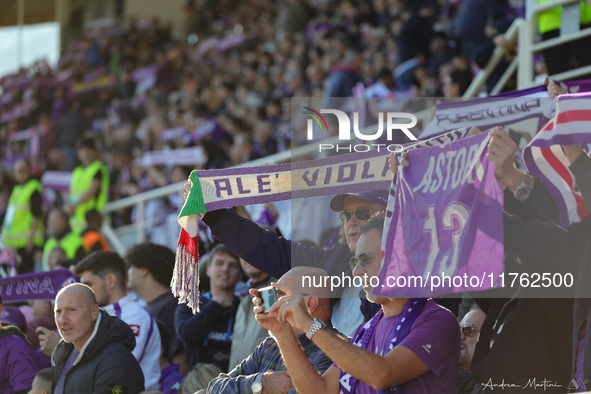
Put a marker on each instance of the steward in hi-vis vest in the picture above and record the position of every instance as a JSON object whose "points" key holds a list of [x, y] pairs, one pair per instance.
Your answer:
{"points": [[22, 228], [89, 188], [60, 235]]}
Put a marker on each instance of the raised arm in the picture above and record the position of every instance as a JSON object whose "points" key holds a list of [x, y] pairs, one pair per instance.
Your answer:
{"points": [[264, 249]]}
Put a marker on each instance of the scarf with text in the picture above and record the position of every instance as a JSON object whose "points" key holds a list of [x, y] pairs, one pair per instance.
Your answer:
{"points": [[225, 188], [412, 309], [35, 286]]}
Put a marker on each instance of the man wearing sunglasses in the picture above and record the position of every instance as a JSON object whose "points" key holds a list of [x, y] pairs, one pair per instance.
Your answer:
{"points": [[411, 345], [470, 327], [275, 255]]}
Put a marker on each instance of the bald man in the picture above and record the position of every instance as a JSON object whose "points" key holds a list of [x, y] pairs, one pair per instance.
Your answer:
{"points": [[98, 346], [252, 374]]}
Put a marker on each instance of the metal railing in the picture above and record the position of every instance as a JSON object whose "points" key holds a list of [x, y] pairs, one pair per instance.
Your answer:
{"points": [[523, 32], [498, 54]]}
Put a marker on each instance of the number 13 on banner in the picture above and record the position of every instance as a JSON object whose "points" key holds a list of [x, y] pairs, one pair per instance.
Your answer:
{"points": [[454, 219]]}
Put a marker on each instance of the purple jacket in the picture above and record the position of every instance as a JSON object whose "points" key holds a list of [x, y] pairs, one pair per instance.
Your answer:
{"points": [[17, 365], [171, 379]]}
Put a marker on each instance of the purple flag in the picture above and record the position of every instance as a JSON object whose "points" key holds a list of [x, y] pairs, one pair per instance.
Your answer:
{"points": [[445, 234], [35, 286]]}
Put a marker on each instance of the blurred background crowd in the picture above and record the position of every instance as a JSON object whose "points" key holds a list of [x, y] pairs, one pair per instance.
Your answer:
{"points": [[221, 86]]}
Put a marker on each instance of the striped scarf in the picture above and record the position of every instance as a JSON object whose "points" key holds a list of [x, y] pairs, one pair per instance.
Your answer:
{"points": [[545, 159]]}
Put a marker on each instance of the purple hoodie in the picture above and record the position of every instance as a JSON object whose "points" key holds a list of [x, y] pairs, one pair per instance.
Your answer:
{"points": [[17, 365]]}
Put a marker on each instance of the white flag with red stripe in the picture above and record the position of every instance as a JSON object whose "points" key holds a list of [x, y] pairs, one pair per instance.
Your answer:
{"points": [[545, 159]]}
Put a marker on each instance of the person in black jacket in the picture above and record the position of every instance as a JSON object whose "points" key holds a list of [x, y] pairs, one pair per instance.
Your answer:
{"points": [[207, 335], [275, 255], [94, 355]]}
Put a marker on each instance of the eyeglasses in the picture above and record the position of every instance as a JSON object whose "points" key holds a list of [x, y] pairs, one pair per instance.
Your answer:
{"points": [[363, 259], [360, 214], [468, 329], [279, 293]]}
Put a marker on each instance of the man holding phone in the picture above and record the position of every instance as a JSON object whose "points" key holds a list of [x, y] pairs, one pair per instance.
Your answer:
{"points": [[252, 374]]}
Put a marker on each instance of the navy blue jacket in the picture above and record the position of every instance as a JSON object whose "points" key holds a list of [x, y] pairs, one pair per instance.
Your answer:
{"points": [[274, 255], [206, 335], [105, 365]]}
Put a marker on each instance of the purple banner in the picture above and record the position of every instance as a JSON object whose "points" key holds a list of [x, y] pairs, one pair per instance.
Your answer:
{"points": [[187, 156], [6, 98], [208, 44], [210, 127], [56, 180], [18, 111], [35, 286], [140, 75], [447, 223], [173, 134], [230, 42], [15, 81], [30, 133]]}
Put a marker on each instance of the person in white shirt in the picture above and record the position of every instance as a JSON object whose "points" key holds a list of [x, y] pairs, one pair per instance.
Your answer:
{"points": [[105, 273]]}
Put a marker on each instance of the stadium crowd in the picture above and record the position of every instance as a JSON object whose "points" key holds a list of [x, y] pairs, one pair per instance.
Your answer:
{"points": [[124, 99]]}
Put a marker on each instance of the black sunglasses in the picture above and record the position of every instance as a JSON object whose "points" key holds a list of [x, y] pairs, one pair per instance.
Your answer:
{"points": [[467, 329], [360, 214], [363, 259]]}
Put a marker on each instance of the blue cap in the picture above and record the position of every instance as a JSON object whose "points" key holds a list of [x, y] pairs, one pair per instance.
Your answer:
{"points": [[337, 203]]}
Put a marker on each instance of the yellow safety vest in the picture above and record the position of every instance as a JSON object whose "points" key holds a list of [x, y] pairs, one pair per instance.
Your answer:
{"points": [[81, 182], [70, 244], [17, 222], [550, 20]]}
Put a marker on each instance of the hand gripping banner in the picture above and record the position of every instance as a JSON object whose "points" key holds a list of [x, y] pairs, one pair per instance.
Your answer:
{"points": [[216, 189]]}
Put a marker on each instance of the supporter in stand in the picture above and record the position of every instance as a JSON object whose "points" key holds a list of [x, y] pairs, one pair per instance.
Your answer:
{"points": [[23, 224], [17, 358], [60, 235]]}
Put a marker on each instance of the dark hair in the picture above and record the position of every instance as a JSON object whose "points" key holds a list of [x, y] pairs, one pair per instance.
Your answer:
{"points": [[164, 338], [87, 143], [462, 78], [102, 263], [157, 259], [220, 248], [92, 215], [376, 222], [383, 72]]}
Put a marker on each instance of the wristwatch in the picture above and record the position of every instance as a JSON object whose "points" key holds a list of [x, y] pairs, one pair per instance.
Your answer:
{"points": [[524, 189], [257, 386], [315, 327]]}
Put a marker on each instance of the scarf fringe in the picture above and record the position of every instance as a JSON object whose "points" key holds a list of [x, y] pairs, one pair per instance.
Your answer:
{"points": [[185, 277]]}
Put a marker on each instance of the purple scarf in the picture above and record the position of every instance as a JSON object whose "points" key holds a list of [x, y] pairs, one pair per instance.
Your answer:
{"points": [[412, 309], [35, 286]]}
